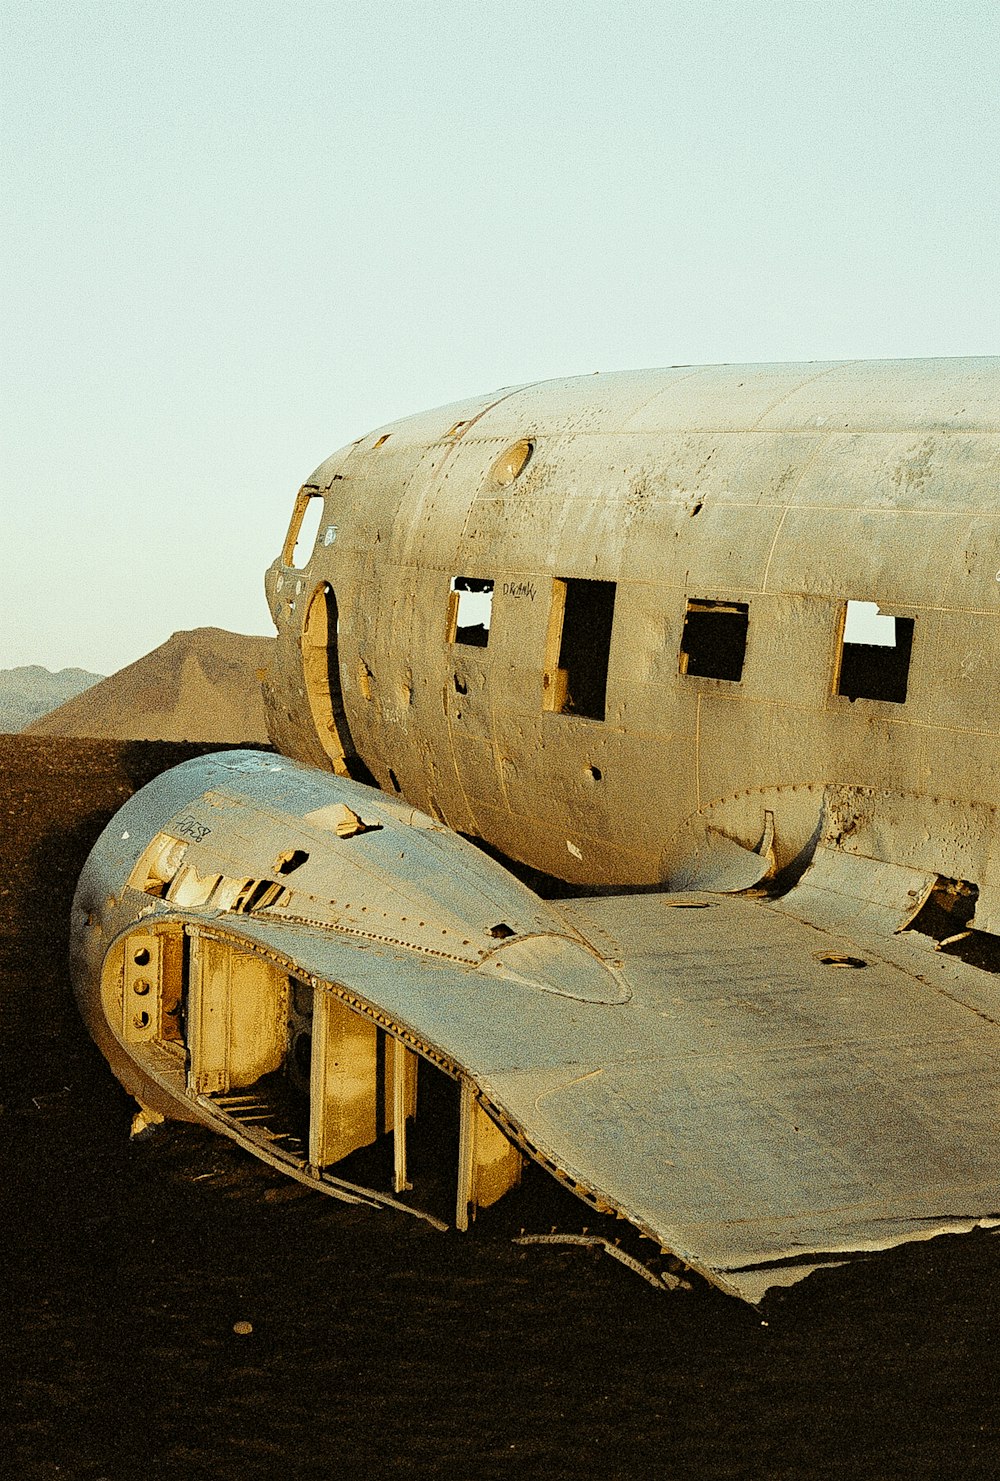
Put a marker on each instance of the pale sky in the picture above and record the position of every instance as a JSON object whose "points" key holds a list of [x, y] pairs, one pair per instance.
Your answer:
{"points": [[238, 235]]}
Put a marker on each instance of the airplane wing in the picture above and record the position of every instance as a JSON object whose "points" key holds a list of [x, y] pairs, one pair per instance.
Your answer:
{"points": [[792, 1084], [758, 1085]]}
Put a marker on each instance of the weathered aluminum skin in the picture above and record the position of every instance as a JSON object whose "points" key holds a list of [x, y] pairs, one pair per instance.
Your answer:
{"points": [[756, 1083], [791, 488], [688, 1061]]}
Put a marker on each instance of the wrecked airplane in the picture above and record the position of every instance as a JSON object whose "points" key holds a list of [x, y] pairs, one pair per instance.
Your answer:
{"points": [[719, 647]]}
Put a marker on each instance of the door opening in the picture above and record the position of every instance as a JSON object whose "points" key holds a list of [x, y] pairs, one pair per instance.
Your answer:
{"points": [[321, 669]]}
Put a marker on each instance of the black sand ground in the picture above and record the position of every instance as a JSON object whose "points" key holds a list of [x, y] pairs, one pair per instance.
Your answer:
{"points": [[379, 1347]]}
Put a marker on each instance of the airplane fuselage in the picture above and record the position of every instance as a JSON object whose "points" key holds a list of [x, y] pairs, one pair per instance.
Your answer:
{"points": [[661, 668]]}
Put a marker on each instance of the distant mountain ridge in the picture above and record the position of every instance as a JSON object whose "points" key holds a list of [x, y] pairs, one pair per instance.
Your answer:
{"points": [[202, 685], [29, 692]]}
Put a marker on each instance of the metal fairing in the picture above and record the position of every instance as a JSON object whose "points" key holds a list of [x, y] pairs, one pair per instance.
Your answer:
{"points": [[606, 626]]}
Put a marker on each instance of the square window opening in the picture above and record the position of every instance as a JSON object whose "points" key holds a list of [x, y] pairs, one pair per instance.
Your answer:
{"points": [[579, 647], [874, 654], [470, 611], [714, 640]]}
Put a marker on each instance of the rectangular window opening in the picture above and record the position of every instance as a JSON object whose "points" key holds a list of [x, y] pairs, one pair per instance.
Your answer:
{"points": [[579, 647], [470, 611], [714, 640], [874, 654]]}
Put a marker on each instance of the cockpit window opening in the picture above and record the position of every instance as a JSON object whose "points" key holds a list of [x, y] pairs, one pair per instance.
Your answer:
{"points": [[714, 640], [874, 654], [470, 611], [579, 647], [304, 528]]}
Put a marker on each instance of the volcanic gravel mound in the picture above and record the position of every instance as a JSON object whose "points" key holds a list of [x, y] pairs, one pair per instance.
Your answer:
{"points": [[202, 685]]}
